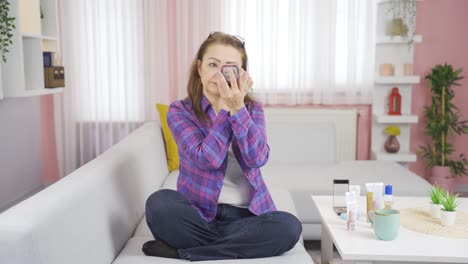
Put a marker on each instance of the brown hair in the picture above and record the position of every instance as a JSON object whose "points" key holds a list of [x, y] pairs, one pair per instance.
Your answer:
{"points": [[195, 86]]}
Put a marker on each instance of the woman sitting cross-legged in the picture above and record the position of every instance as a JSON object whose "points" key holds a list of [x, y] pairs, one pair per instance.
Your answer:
{"points": [[222, 208]]}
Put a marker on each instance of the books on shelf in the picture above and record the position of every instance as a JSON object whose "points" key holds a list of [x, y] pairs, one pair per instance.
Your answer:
{"points": [[51, 59]]}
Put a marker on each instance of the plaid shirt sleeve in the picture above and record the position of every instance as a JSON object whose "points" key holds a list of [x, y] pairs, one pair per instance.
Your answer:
{"points": [[206, 150], [249, 131]]}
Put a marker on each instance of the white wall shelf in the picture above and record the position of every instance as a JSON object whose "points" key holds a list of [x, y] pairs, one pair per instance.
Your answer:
{"points": [[36, 36], [397, 51], [396, 119], [397, 157], [37, 92], [398, 39], [33, 36], [397, 79], [49, 38], [23, 74]]}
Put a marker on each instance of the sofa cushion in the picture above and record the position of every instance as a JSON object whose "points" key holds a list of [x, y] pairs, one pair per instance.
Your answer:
{"points": [[171, 146], [171, 180], [319, 179], [132, 254]]}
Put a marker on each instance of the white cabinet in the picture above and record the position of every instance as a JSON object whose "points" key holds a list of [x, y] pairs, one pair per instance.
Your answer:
{"points": [[396, 51], [23, 74]]}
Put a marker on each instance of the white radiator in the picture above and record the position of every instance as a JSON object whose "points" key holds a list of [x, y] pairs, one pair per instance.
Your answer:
{"points": [[344, 122]]}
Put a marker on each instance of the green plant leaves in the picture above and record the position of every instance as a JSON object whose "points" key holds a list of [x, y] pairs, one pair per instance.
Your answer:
{"points": [[450, 202], [6, 28], [443, 120], [436, 194]]}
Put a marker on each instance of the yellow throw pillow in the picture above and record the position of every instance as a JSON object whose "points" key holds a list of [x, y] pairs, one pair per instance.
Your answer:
{"points": [[171, 146]]}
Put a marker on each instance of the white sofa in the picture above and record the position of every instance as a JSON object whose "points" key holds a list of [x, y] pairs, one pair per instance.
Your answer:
{"points": [[96, 214]]}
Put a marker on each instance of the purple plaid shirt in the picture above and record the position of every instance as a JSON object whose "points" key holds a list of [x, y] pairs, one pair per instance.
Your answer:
{"points": [[203, 153]]}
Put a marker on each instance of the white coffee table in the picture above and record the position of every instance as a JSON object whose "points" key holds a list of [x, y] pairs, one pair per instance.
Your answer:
{"points": [[362, 246]]}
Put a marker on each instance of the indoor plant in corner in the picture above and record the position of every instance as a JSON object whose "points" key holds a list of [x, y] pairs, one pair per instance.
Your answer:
{"points": [[443, 121], [437, 195], [403, 18], [6, 33], [6, 28], [448, 211]]}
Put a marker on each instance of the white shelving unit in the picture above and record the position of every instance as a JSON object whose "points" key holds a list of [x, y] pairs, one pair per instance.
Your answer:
{"points": [[401, 156], [23, 74], [397, 79], [392, 119], [397, 40], [396, 51]]}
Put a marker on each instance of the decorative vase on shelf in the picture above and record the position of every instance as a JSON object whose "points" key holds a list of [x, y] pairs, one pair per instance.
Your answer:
{"points": [[394, 102], [392, 145]]}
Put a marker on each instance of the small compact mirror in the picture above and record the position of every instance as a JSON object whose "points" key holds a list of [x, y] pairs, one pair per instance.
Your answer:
{"points": [[340, 187]]}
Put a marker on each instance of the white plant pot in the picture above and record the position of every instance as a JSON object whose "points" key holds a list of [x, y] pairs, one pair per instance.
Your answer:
{"points": [[447, 218], [435, 210]]}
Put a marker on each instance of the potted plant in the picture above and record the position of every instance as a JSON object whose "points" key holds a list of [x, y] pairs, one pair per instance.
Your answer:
{"points": [[443, 120], [437, 195], [6, 28], [391, 144], [448, 211], [6, 34], [403, 18]]}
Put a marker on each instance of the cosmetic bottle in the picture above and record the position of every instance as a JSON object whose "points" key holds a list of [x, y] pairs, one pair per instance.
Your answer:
{"points": [[388, 197]]}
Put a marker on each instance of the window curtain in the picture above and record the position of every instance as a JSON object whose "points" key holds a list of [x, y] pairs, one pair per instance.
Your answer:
{"points": [[123, 56], [107, 93], [300, 52], [307, 51]]}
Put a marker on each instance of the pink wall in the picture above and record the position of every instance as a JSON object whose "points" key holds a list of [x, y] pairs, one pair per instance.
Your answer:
{"points": [[445, 39], [48, 146]]}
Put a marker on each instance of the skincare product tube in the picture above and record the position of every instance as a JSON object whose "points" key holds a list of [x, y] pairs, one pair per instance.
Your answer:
{"points": [[356, 189], [351, 207], [388, 197], [369, 203]]}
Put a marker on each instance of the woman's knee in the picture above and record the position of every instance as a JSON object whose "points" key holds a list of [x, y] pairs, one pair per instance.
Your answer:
{"points": [[160, 202], [289, 228]]}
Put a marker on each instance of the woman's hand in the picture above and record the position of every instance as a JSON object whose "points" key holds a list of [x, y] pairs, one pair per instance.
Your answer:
{"points": [[233, 98]]}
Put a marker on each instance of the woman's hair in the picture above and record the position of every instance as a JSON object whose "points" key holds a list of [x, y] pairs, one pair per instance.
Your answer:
{"points": [[195, 86]]}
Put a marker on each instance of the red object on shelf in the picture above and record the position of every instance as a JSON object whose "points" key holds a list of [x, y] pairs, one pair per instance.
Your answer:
{"points": [[394, 102]]}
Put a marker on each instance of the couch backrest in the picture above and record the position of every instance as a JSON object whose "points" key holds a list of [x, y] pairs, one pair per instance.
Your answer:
{"points": [[88, 216]]}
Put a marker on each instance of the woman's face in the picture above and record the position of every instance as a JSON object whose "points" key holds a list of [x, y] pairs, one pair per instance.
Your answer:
{"points": [[215, 57]]}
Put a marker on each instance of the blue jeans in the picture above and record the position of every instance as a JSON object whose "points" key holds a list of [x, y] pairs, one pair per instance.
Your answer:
{"points": [[234, 233]]}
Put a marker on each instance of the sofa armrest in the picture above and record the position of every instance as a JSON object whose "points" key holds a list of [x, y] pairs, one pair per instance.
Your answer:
{"points": [[88, 216]]}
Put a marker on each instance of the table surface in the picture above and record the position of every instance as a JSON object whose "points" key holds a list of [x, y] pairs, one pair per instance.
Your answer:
{"points": [[362, 244]]}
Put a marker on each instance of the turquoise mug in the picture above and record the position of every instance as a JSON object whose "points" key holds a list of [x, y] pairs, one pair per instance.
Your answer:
{"points": [[386, 223]]}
